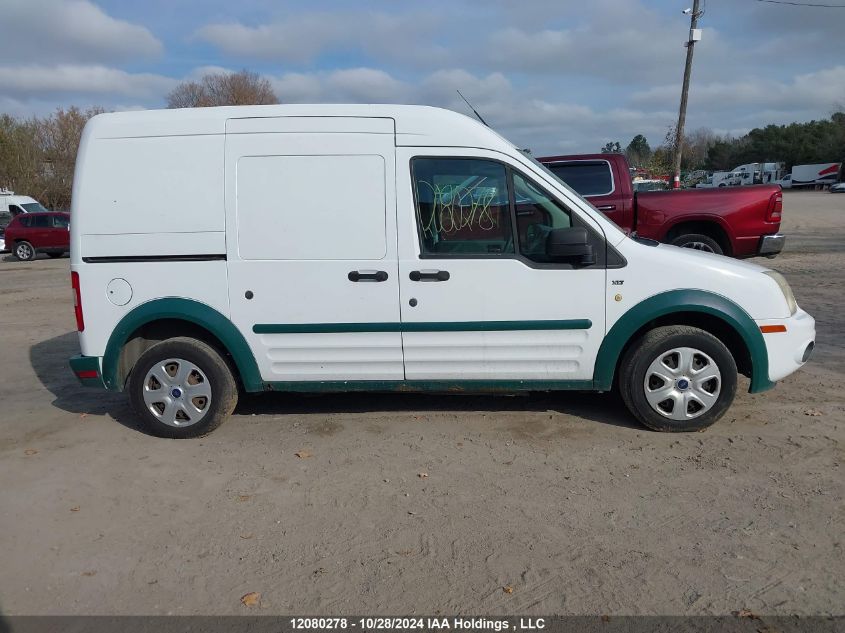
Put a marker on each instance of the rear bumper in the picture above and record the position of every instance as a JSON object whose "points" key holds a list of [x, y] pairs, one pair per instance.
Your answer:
{"points": [[789, 350], [88, 370], [771, 245]]}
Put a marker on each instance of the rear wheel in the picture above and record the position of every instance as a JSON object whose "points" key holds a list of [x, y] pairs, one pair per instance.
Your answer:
{"points": [[24, 251], [182, 388], [698, 242], [678, 378]]}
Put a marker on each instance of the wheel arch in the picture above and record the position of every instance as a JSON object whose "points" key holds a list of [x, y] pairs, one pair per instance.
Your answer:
{"points": [[169, 317], [708, 311], [712, 227]]}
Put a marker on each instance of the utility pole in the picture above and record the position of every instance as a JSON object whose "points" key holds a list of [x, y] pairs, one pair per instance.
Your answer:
{"points": [[694, 36]]}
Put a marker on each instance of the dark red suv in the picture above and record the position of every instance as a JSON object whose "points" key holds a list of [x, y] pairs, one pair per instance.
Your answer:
{"points": [[31, 233]]}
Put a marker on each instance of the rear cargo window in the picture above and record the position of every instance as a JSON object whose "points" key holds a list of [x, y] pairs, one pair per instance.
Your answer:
{"points": [[589, 178]]}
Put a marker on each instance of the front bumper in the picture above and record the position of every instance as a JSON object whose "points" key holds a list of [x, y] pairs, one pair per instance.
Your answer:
{"points": [[771, 245], [788, 350], [88, 370]]}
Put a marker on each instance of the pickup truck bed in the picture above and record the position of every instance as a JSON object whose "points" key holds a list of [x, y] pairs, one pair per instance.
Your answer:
{"points": [[735, 221]]}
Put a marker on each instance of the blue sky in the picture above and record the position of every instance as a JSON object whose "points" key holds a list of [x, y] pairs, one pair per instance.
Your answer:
{"points": [[554, 75]]}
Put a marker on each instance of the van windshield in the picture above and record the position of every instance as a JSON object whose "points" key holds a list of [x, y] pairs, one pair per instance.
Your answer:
{"points": [[33, 207]]}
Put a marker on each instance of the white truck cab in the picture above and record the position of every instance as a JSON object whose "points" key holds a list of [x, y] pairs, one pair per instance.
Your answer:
{"points": [[12, 205], [388, 248]]}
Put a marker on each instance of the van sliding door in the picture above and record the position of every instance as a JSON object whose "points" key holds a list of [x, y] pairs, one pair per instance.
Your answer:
{"points": [[311, 247]]}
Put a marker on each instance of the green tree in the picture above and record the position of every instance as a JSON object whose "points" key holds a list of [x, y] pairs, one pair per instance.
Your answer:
{"points": [[611, 148], [638, 151], [794, 144]]}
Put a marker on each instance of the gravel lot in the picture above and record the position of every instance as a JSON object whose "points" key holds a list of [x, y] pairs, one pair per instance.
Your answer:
{"points": [[423, 504]]}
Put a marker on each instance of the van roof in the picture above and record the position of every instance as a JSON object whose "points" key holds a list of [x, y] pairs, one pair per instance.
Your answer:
{"points": [[415, 125], [13, 199]]}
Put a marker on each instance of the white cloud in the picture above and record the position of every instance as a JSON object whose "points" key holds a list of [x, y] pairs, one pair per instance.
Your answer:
{"points": [[70, 31], [817, 91], [545, 125], [353, 85], [32, 80], [302, 38]]}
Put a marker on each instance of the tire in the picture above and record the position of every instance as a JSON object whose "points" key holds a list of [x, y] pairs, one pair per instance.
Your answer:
{"points": [[171, 370], [24, 251], [56, 255], [663, 351], [699, 242]]}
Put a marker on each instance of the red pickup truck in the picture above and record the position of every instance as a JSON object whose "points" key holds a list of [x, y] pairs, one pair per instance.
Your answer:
{"points": [[735, 221]]}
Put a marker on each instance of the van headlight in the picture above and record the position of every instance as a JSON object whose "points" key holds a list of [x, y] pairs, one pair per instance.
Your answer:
{"points": [[785, 289]]}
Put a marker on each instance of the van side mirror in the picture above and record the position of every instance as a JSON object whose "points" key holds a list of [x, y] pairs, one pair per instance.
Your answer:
{"points": [[570, 245]]}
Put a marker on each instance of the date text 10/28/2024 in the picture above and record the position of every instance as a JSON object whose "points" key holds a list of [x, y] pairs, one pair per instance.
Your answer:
{"points": [[466, 625]]}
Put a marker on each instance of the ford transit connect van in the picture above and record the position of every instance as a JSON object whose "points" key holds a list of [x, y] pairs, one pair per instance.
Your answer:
{"points": [[388, 248]]}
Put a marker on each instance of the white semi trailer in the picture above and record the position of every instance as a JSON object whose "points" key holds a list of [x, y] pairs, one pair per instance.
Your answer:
{"points": [[812, 175]]}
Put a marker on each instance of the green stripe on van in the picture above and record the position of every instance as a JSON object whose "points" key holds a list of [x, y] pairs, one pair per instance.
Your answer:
{"points": [[435, 326], [429, 386]]}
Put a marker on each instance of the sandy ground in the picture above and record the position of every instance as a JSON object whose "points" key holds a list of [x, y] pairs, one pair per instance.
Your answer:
{"points": [[423, 504]]}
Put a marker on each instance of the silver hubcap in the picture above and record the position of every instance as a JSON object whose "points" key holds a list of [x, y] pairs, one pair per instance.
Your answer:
{"points": [[699, 246], [682, 383], [23, 251], [177, 392]]}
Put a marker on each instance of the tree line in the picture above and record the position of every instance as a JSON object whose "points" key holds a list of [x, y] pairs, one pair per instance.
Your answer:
{"points": [[794, 144]]}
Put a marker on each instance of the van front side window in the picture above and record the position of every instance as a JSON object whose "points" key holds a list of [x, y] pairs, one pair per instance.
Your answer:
{"points": [[536, 215], [462, 206]]}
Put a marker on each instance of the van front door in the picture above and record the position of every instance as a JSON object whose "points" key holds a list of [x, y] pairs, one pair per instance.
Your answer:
{"points": [[480, 300], [311, 246]]}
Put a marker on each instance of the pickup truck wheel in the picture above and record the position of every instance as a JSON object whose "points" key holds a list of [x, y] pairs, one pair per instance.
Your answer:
{"points": [[678, 378], [24, 251], [182, 388], [698, 242]]}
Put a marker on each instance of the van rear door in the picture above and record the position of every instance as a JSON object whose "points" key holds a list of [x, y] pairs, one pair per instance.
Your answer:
{"points": [[311, 246]]}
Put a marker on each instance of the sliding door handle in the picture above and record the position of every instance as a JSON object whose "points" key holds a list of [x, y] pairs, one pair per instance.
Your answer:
{"points": [[367, 275], [429, 275], [607, 207]]}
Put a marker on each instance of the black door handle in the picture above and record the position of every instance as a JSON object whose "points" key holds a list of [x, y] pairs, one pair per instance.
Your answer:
{"points": [[434, 275], [358, 275]]}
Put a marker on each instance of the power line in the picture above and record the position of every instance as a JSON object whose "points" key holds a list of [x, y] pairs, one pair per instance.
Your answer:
{"points": [[805, 4]]}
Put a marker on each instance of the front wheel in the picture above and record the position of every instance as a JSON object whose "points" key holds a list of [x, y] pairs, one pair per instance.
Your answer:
{"points": [[678, 378], [698, 242], [24, 251], [182, 388]]}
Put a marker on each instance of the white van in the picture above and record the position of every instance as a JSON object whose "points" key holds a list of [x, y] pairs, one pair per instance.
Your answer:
{"points": [[12, 205], [388, 248]]}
